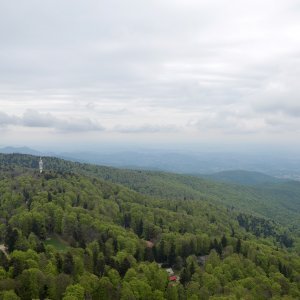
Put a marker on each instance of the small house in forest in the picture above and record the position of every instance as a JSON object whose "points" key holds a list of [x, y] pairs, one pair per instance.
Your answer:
{"points": [[173, 278], [170, 271]]}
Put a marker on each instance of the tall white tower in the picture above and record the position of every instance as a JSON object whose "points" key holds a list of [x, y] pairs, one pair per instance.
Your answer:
{"points": [[41, 165]]}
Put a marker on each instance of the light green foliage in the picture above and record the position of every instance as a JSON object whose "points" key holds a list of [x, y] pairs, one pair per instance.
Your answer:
{"points": [[106, 288], [90, 283], [32, 282], [9, 295], [126, 292], [73, 234], [56, 242], [2, 273], [171, 292], [75, 291], [141, 289]]}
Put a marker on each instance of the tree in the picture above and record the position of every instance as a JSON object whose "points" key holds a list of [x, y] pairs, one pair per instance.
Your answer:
{"points": [[68, 263], [224, 241], [172, 254], [192, 290], [213, 258], [74, 291], [238, 246], [161, 252], [140, 228], [148, 254], [11, 238], [124, 266], [141, 289], [130, 274], [60, 284], [49, 197], [32, 282], [90, 283], [127, 220], [106, 289], [58, 261], [212, 283], [171, 293], [178, 263], [158, 295], [185, 276], [4, 260], [126, 292], [9, 295]]}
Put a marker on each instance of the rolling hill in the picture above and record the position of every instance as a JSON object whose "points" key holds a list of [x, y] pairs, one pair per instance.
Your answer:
{"points": [[279, 201], [243, 177], [80, 231]]}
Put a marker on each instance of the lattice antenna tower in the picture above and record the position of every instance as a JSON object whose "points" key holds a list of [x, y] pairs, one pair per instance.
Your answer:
{"points": [[41, 165]]}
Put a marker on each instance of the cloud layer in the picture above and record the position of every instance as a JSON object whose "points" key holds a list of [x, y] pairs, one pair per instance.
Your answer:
{"points": [[32, 118], [195, 68]]}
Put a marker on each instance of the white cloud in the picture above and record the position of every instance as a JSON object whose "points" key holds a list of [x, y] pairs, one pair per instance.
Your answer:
{"points": [[151, 66]]}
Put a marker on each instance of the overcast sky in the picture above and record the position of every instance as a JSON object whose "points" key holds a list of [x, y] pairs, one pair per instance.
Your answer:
{"points": [[159, 71]]}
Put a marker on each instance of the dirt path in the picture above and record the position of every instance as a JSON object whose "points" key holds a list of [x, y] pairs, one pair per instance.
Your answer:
{"points": [[3, 249]]}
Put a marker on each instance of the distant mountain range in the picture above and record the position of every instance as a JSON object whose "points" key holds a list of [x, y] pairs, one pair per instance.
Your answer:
{"points": [[22, 150], [226, 167], [243, 177]]}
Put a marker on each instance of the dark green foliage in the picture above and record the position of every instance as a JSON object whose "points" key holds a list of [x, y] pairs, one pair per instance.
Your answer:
{"points": [[11, 238], [172, 254], [124, 266], [149, 256], [224, 241], [238, 246], [243, 177], [185, 276], [68, 263]]}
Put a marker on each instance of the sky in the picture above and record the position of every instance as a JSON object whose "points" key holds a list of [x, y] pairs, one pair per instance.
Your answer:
{"points": [[192, 72]]}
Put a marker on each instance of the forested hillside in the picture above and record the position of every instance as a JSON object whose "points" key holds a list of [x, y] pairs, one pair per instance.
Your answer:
{"points": [[279, 201], [243, 177], [73, 233]]}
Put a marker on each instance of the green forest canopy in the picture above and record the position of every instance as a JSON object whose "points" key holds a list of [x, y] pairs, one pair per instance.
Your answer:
{"points": [[79, 231]]}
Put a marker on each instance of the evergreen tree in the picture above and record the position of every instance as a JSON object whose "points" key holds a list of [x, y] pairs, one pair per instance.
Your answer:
{"points": [[68, 263], [238, 246], [224, 241], [124, 266], [11, 238], [185, 276], [172, 255], [140, 228]]}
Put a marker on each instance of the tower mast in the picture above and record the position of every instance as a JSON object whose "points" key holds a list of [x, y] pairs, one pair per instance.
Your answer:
{"points": [[41, 165]]}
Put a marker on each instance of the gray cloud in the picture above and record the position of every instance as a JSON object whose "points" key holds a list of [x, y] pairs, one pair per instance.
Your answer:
{"points": [[231, 121], [6, 119], [206, 65], [33, 118]]}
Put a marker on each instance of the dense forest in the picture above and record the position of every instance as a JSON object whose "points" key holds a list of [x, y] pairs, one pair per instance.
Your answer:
{"points": [[272, 199], [80, 231]]}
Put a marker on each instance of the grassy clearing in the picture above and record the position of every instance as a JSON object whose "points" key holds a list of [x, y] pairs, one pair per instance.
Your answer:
{"points": [[57, 243]]}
